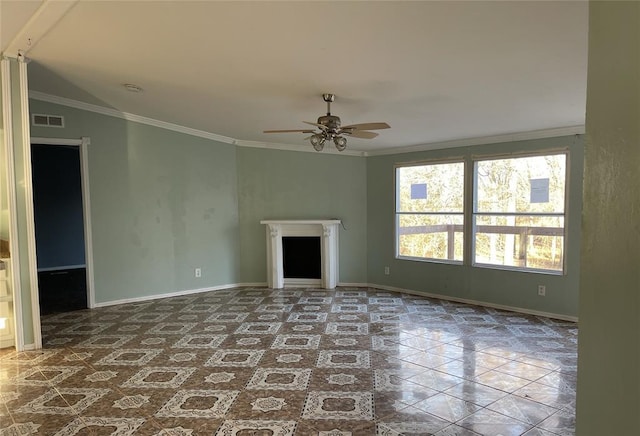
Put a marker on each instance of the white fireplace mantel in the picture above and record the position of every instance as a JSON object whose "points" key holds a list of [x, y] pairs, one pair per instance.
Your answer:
{"points": [[327, 230]]}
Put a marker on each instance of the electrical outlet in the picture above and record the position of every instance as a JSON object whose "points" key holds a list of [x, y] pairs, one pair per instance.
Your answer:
{"points": [[386, 270], [542, 290], [198, 272]]}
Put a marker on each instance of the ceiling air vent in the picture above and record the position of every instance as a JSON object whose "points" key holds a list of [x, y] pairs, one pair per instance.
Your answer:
{"points": [[47, 120]]}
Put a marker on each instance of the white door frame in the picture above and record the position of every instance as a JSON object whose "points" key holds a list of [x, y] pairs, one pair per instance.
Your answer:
{"points": [[83, 143]]}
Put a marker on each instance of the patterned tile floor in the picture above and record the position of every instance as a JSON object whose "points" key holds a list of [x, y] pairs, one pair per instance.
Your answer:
{"points": [[256, 361]]}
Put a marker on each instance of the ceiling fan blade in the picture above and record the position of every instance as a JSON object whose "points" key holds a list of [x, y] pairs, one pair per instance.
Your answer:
{"points": [[288, 131], [322, 126], [361, 134], [367, 126]]}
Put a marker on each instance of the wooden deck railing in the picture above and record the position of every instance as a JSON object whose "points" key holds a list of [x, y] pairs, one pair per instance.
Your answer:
{"points": [[451, 229]]}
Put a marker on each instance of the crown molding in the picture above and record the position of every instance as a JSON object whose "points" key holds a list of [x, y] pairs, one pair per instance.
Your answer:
{"points": [[36, 95], [495, 139], [465, 142], [306, 149]]}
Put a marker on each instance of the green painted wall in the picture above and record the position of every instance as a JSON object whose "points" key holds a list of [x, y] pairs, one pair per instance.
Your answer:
{"points": [[275, 184], [155, 193], [509, 288], [608, 400], [162, 204]]}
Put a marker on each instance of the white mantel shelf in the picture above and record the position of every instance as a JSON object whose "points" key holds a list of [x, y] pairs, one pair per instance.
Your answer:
{"points": [[327, 230], [303, 222]]}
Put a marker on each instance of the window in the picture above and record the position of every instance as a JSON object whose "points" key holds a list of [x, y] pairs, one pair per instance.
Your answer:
{"points": [[517, 220], [430, 211], [519, 212]]}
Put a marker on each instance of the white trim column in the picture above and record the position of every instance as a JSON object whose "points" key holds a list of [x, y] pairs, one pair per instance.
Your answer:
{"points": [[330, 254], [23, 265], [14, 260], [275, 268], [28, 199]]}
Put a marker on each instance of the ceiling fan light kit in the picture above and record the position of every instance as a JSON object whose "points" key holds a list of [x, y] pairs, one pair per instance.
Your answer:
{"points": [[317, 141], [340, 142], [331, 129]]}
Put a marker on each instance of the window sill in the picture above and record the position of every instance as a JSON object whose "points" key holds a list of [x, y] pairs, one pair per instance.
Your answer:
{"points": [[430, 260], [518, 269]]}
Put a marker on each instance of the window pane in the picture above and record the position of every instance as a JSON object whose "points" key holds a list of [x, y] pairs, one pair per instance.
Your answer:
{"points": [[526, 184], [431, 188], [431, 236], [535, 242]]}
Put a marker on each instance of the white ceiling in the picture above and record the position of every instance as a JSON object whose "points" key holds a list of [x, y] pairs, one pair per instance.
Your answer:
{"points": [[435, 71]]}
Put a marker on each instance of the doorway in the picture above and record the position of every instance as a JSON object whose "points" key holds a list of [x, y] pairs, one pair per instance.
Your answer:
{"points": [[59, 227]]}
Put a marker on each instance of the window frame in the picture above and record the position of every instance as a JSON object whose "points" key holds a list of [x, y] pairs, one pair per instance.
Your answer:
{"points": [[469, 212], [474, 202], [398, 213]]}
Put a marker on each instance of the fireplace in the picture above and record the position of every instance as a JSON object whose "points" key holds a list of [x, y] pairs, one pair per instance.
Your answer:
{"points": [[299, 244]]}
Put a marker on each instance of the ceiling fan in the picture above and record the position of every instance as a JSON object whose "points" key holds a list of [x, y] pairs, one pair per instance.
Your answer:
{"points": [[331, 130]]}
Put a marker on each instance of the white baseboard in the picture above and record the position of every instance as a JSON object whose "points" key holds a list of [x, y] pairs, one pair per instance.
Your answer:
{"points": [[477, 303], [31, 347], [251, 285], [344, 284], [353, 285], [178, 293]]}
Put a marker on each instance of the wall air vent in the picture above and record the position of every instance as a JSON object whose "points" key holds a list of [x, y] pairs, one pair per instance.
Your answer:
{"points": [[47, 120]]}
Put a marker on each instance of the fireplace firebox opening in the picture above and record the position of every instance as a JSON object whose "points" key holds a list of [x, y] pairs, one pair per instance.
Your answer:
{"points": [[302, 258]]}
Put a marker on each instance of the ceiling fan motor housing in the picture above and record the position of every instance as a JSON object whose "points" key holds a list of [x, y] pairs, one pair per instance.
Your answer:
{"points": [[331, 122]]}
